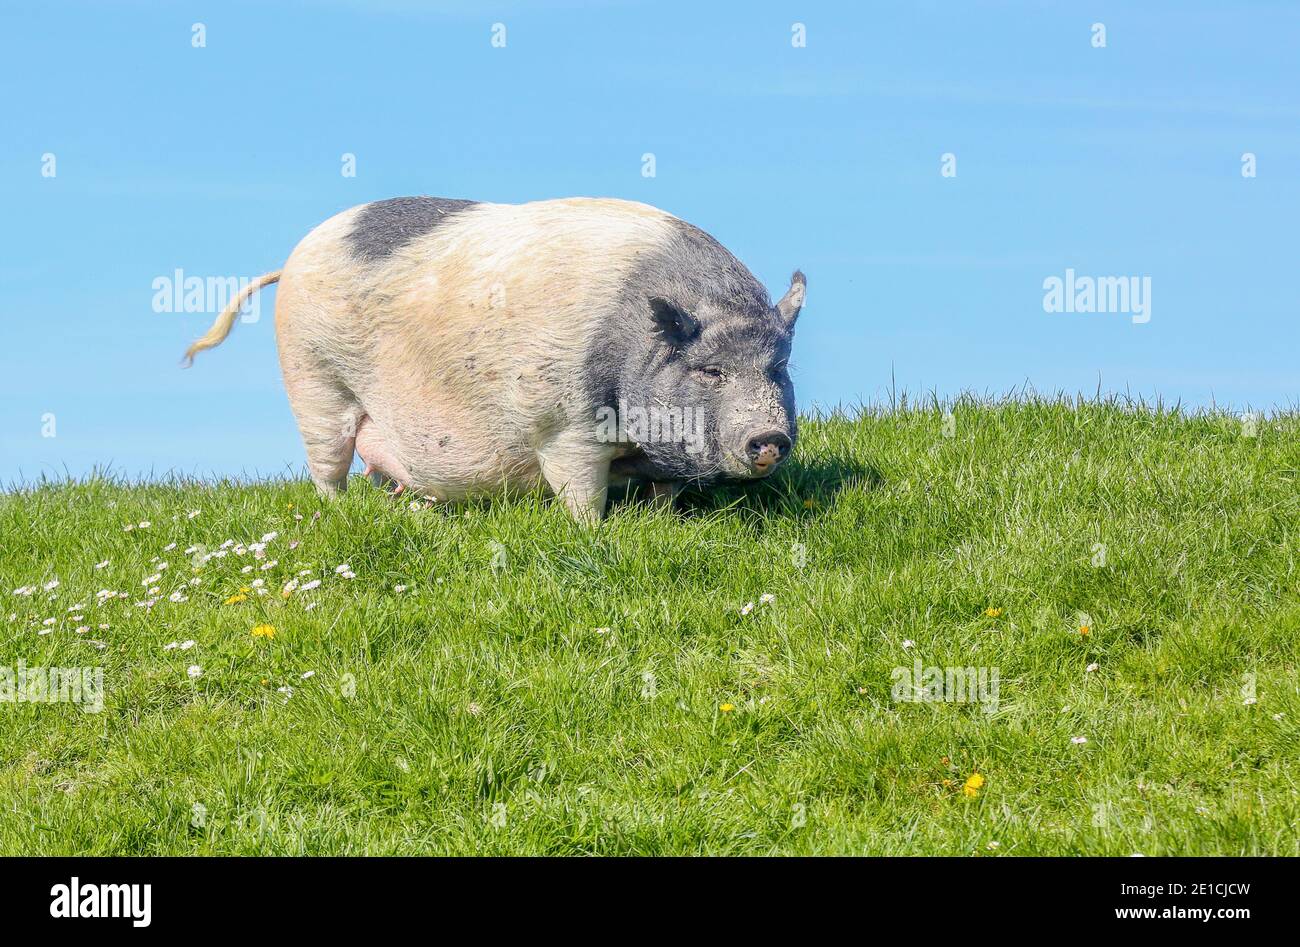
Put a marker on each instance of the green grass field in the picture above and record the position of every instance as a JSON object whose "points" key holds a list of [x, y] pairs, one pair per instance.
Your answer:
{"points": [[538, 688]]}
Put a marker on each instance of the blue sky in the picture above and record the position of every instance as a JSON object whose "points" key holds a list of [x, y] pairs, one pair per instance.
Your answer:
{"points": [[1116, 161]]}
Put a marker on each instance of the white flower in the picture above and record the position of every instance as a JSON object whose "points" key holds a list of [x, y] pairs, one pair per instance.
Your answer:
{"points": [[162, 567], [339, 570], [293, 544], [349, 574], [908, 644], [49, 621], [269, 537], [1248, 701], [178, 597], [287, 691], [258, 583], [767, 598], [399, 589], [187, 644], [308, 674], [128, 527], [51, 585], [25, 590], [1078, 740], [1092, 667], [308, 586], [270, 564], [602, 631], [150, 580], [190, 550], [171, 646], [247, 569], [143, 524], [747, 608], [304, 572], [169, 547], [82, 629], [191, 514], [194, 671], [227, 544], [309, 606], [102, 565]]}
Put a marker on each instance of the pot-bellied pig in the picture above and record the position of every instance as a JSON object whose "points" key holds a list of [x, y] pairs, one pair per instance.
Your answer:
{"points": [[462, 348]]}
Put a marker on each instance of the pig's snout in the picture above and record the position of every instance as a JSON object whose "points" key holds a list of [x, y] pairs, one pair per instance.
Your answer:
{"points": [[766, 450]]}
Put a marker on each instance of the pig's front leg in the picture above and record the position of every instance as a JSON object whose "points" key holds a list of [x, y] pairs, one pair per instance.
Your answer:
{"points": [[578, 472]]}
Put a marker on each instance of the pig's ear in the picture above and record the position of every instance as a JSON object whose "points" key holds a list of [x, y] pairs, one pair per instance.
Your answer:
{"points": [[672, 322], [790, 304]]}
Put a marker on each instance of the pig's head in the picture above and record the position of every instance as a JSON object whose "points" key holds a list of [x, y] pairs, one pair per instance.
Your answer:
{"points": [[704, 388]]}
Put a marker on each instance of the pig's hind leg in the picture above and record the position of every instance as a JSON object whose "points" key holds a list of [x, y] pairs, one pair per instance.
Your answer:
{"points": [[328, 415]]}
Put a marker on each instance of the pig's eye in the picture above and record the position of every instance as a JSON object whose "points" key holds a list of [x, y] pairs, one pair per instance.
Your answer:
{"points": [[711, 372]]}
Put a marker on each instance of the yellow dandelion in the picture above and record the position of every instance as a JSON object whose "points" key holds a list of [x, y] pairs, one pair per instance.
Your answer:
{"points": [[1085, 631], [727, 708], [264, 631], [971, 788], [237, 598], [993, 612]]}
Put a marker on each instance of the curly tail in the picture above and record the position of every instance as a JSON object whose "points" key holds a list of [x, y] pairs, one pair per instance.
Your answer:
{"points": [[221, 328]]}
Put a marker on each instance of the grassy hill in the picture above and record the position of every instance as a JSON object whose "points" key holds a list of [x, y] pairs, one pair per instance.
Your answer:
{"points": [[494, 679]]}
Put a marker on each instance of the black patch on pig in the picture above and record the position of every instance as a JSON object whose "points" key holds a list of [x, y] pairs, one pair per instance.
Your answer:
{"points": [[384, 227]]}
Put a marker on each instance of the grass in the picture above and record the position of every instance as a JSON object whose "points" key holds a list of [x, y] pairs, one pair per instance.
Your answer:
{"points": [[539, 688]]}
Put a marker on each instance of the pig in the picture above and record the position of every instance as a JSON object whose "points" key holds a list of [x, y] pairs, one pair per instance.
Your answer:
{"points": [[462, 348]]}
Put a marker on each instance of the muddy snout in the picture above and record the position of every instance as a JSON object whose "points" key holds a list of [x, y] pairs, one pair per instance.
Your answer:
{"points": [[766, 450]]}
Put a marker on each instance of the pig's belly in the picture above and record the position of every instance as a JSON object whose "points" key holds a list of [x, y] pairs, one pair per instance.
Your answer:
{"points": [[444, 463]]}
